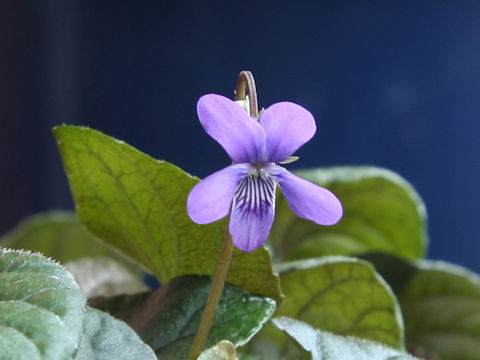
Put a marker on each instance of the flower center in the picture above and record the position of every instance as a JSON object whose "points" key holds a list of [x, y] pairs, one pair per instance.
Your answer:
{"points": [[255, 192]]}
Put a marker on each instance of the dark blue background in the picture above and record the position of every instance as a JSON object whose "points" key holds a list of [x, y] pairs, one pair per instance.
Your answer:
{"points": [[393, 84]]}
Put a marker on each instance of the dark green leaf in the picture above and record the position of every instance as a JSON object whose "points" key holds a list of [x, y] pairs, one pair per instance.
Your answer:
{"points": [[106, 338], [137, 204], [168, 318], [382, 212], [323, 345], [341, 295], [41, 308]]}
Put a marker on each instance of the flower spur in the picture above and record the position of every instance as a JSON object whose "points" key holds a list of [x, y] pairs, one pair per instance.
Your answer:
{"points": [[246, 189]]}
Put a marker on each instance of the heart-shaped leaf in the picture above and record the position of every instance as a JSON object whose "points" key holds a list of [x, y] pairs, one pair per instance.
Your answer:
{"points": [[168, 318], [382, 212], [106, 338], [137, 204], [441, 306], [41, 308], [342, 295], [324, 345]]}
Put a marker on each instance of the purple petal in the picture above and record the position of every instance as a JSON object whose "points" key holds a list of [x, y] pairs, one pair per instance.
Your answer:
{"points": [[229, 124], [287, 127], [211, 199], [309, 201], [252, 212]]}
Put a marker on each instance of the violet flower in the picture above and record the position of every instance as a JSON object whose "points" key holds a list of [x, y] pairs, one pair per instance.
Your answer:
{"points": [[247, 187]]}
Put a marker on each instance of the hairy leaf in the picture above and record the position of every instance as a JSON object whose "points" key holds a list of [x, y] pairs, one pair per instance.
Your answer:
{"points": [[41, 308]]}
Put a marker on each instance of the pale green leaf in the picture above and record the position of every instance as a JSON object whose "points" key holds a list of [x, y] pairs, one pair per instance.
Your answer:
{"points": [[138, 205]]}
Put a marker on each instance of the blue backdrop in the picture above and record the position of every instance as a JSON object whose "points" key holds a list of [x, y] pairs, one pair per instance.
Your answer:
{"points": [[393, 84]]}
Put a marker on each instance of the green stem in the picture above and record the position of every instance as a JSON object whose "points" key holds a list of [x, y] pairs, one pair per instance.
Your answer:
{"points": [[213, 298], [245, 86]]}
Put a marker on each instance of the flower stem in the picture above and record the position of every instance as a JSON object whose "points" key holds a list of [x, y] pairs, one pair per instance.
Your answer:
{"points": [[213, 297], [246, 86]]}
